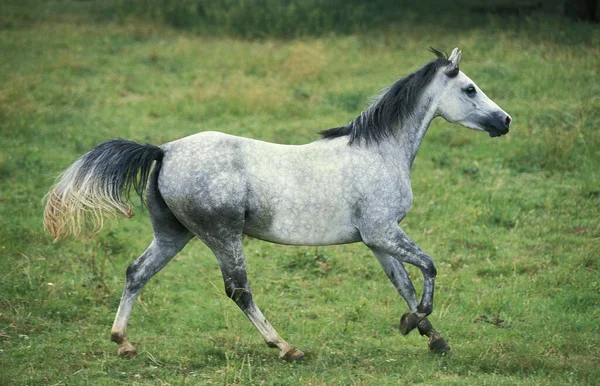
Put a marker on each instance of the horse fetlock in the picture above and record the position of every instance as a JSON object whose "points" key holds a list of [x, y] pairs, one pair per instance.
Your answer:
{"points": [[425, 327], [287, 351], [126, 349], [117, 337], [408, 322]]}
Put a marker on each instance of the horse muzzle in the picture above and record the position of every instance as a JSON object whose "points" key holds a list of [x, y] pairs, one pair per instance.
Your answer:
{"points": [[497, 124]]}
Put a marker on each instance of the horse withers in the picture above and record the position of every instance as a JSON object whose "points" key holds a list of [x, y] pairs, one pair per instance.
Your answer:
{"points": [[352, 185]]}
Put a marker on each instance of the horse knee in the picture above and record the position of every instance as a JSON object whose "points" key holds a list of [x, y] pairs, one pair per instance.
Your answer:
{"points": [[430, 270]]}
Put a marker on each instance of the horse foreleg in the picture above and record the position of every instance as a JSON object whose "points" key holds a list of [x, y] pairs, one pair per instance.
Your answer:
{"points": [[158, 254], [233, 267], [391, 250], [399, 277], [397, 274]]}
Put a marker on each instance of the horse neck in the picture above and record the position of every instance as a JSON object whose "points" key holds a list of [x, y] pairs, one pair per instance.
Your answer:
{"points": [[412, 130]]}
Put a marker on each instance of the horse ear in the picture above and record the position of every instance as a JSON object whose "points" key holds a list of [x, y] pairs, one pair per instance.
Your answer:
{"points": [[454, 58]]}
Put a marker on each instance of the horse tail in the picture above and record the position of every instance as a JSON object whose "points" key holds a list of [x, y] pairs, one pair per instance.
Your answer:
{"points": [[96, 184]]}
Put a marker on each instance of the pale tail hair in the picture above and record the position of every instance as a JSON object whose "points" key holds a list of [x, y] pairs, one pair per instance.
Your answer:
{"points": [[97, 184]]}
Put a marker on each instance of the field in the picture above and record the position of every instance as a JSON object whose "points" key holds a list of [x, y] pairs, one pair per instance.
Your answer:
{"points": [[511, 222]]}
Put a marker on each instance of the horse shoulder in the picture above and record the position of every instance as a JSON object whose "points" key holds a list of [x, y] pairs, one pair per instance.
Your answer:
{"points": [[384, 193]]}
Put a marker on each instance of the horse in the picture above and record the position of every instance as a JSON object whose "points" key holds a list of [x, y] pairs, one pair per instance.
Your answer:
{"points": [[351, 185]]}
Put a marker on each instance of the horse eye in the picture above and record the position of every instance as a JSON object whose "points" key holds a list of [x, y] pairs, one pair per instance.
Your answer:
{"points": [[470, 91]]}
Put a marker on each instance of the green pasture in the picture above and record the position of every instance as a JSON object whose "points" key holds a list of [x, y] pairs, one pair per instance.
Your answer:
{"points": [[513, 223]]}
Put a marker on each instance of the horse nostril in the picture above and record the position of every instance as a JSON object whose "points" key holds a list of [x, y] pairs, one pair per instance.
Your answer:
{"points": [[508, 120]]}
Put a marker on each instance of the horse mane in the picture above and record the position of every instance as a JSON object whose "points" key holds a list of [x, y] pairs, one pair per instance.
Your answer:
{"points": [[393, 105]]}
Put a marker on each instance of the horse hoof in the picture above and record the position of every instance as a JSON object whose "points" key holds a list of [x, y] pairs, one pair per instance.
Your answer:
{"points": [[127, 353], [292, 355], [127, 350], [408, 322], [438, 344]]}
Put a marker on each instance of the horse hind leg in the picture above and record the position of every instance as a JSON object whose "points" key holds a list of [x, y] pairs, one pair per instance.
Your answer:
{"points": [[170, 236], [397, 274], [138, 273], [233, 268]]}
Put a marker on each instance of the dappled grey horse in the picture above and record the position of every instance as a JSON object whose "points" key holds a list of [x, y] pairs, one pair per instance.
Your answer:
{"points": [[351, 185]]}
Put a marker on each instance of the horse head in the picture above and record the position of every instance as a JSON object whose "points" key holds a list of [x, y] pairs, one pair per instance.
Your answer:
{"points": [[461, 101]]}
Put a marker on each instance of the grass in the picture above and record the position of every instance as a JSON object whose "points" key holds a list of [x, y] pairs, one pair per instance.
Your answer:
{"points": [[512, 223]]}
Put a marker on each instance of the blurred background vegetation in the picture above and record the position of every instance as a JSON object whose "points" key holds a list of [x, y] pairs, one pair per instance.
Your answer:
{"points": [[294, 18]]}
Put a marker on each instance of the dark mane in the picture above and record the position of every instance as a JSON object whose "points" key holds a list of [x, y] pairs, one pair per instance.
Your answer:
{"points": [[393, 106]]}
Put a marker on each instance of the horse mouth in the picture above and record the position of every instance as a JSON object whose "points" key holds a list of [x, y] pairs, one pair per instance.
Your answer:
{"points": [[496, 132], [498, 124]]}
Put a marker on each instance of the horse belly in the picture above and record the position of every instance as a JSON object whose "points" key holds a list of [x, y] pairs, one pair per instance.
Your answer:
{"points": [[306, 228]]}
